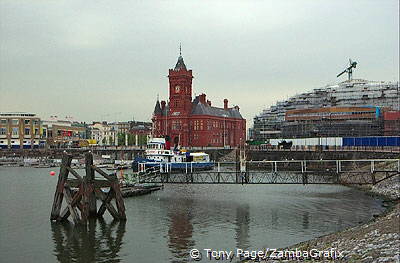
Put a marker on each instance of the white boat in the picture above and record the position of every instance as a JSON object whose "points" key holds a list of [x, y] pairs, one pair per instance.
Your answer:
{"points": [[158, 153]]}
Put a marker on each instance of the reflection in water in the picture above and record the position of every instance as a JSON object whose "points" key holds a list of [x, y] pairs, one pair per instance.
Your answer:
{"points": [[306, 222], [181, 230], [242, 226], [97, 241], [203, 216], [274, 218]]}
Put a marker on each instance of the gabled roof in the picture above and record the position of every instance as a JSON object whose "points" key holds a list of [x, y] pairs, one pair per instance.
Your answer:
{"points": [[199, 108]]}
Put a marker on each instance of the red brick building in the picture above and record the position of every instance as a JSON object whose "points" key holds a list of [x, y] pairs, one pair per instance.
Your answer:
{"points": [[391, 123], [195, 122]]}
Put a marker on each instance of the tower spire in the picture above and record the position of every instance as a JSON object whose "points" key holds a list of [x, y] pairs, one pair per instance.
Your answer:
{"points": [[180, 64]]}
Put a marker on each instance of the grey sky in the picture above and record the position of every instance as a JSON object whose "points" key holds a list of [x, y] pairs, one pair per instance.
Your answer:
{"points": [[109, 59]]}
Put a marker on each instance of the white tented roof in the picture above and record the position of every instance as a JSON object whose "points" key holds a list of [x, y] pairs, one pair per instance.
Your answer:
{"points": [[198, 154], [157, 140]]}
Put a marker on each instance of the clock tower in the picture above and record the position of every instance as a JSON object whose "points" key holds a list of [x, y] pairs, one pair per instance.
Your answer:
{"points": [[194, 122], [180, 89]]}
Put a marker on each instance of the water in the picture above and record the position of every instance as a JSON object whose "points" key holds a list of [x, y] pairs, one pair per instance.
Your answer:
{"points": [[166, 225]]}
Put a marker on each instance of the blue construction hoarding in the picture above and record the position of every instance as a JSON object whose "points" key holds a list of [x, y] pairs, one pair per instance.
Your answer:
{"points": [[372, 141]]}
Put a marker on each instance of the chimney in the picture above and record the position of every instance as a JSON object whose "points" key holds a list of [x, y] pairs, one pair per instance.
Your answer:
{"points": [[237, 108], [202, 98], [163, 104], [225, 104], [209, 103]]}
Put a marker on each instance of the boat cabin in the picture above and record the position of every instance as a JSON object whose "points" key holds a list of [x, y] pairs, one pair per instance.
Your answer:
{"points": [[156, 151]]}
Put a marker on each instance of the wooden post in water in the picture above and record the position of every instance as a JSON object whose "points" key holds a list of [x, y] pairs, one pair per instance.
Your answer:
{"points": [[59, 193], [119, 201], [81, 193], [90, 181]]}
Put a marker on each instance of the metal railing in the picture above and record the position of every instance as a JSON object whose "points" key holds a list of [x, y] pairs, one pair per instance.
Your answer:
{"points": [[362, 171]]}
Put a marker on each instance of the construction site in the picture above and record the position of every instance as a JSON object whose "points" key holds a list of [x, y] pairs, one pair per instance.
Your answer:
{"points": [[355, 107]]}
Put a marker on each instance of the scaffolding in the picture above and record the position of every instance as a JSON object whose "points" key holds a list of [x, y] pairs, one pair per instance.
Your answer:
{"points": [[270, 123]]}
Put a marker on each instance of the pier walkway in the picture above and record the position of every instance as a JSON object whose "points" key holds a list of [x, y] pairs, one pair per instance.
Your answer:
{"points": [[367, 171]]}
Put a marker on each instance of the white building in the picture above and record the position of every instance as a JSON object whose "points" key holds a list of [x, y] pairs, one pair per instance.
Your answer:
{"points": [[103, 133]]}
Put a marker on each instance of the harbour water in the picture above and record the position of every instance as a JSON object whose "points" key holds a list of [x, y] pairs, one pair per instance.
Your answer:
{"points": [[165, 225]]}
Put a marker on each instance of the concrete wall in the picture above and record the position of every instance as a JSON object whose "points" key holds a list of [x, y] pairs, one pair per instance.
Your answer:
{"points": [[215, 155]]}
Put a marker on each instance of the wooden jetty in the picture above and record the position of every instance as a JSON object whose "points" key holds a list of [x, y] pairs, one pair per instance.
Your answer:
{"points": [[137, 191], [81, 204]]}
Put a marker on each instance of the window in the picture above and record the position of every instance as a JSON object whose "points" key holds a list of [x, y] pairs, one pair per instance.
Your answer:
{"points": [[44, 132], [27, 121], [15, 122], [36, 131], [4, 121], [36, 122], [15, 131], [176, 125], [27, 131], [196, 125], [3, 131]]}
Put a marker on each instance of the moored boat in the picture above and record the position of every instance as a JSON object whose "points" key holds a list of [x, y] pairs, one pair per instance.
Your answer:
{"points": [[159, 155]]}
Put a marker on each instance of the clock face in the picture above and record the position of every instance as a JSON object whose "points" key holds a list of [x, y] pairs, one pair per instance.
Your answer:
{"points": [[177, 89]]}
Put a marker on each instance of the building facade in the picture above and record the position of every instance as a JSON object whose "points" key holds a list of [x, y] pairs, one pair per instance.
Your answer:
{"points": [[103, 133], [333, 122], [195, 122], [139, 133], [19, 130], [271, 121], [63, 133], [391, 123]]}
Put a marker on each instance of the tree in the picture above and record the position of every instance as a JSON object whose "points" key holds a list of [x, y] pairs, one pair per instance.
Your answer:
{"points": [[131, 139], [121, 138], [142, 140]]}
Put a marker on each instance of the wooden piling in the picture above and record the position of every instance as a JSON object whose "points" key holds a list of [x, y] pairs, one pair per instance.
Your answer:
{"points": [[59, 193], [81, 202], [90, 180]]}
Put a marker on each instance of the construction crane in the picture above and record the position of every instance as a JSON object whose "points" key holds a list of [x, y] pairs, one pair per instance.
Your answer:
{"points": [[349, 69]]}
